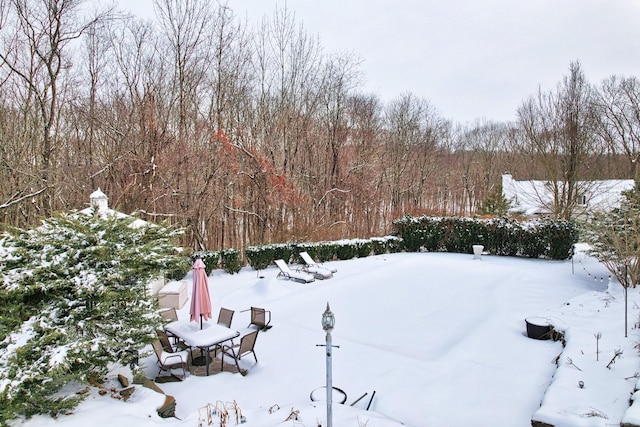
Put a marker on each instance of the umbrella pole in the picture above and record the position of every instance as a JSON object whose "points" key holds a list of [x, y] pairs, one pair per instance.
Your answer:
{"points": [[202, 359]]}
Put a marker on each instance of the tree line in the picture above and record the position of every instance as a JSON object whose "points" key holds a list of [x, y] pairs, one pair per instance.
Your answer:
{"points": [[251, 133]]}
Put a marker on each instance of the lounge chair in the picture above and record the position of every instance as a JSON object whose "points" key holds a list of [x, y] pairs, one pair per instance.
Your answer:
{"points": [[236, 352], [311, 262], [225, 316], [312, 267], [260, 318], [168, 361], [286, 272]]}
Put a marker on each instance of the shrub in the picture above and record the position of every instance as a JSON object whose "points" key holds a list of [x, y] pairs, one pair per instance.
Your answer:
{"points": [[211, 259], [533, 241], [179, 271], [259, 257], [231, 261], [363, 248], [382, 245], [283, 251], [326, 251], [502, 236], [74, 302], [346, 249], [561, 235]]}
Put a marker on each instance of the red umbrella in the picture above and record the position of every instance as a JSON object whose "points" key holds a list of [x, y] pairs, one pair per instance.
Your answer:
{"points": [[200, 299]]}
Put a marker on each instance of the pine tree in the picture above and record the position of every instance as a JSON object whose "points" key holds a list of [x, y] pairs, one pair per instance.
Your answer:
{"points": [[74, 300], [615, 238]]}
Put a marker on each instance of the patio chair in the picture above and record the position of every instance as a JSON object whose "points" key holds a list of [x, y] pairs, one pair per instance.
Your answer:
{"points": [[168, 361], [260, 318], [164, 338], [237, 351], [310, 262], [225, 316], [172, 315], [164, 341], [286, 272]]}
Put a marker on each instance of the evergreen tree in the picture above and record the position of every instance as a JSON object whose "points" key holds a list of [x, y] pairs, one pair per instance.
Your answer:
{"points": [[494, 204], [73, 298], [615, 238]]}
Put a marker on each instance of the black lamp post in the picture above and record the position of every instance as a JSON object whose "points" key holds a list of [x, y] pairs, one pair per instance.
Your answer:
{"points": [[328, 322]]}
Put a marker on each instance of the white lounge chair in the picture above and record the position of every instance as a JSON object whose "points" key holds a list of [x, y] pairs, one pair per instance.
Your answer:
{"points": [[298, 276], [312, 267]]}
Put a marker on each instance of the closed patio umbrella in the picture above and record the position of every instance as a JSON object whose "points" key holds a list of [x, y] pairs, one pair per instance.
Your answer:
{"points": [[200, 299]]}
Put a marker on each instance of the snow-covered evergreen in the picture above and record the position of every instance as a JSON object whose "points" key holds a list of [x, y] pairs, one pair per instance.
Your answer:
{"points": [[73, 293]]}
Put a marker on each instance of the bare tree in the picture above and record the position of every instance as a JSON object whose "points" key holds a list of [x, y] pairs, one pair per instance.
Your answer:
{"points": [[340, 76], [481, 149], [559, 135], [188, 27], [287, 63], [361, 166], [34, 53], [413, 134], [618, 103]]}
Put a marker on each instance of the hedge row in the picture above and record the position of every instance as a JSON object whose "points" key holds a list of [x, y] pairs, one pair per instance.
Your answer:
{"points": [[260, 257], [548, 238]]}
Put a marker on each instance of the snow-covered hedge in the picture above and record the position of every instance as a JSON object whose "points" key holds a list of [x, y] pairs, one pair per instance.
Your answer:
{"points": [[259, 257], [548, 238]]}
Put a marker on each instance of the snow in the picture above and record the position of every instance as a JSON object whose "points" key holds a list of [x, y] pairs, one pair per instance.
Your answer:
{"points": [[440, 338]]}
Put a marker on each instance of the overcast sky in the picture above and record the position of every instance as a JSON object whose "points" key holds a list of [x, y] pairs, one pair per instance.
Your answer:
{"points": [[470, 58]]}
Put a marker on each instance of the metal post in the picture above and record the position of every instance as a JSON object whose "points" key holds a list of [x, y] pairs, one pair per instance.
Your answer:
{"points": [[329, 382], [328, 322], [626, 288]]}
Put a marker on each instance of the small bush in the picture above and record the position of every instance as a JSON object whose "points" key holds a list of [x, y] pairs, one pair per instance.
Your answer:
{"points": [[259, 257], [326, 251], [211, 259], [346, 249], [283, 251], [382, 245], [178, 272], [231, 261], [363, 248]]}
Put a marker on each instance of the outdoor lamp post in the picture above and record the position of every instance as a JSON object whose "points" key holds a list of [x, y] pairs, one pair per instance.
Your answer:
{"points": [[328, 322]]}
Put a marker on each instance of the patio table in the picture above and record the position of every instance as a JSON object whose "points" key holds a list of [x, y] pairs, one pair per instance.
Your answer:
{"points": [[211, 335]]}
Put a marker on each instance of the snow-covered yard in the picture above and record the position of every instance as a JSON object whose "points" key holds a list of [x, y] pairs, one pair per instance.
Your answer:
{"points": [[440, 338]]}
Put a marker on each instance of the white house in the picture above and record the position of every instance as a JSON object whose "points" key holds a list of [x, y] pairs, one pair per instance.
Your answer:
{"points": [[535, 198]]}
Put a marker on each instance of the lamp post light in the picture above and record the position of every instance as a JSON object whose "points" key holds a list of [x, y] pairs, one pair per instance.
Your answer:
{"points": [[328, 322]]}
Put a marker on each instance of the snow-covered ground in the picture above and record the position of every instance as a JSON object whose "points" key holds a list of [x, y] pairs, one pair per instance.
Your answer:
{"points": [[440, 338]]}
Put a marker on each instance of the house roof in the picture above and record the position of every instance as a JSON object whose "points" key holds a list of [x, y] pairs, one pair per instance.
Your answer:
{"points": [[535, 197]]}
